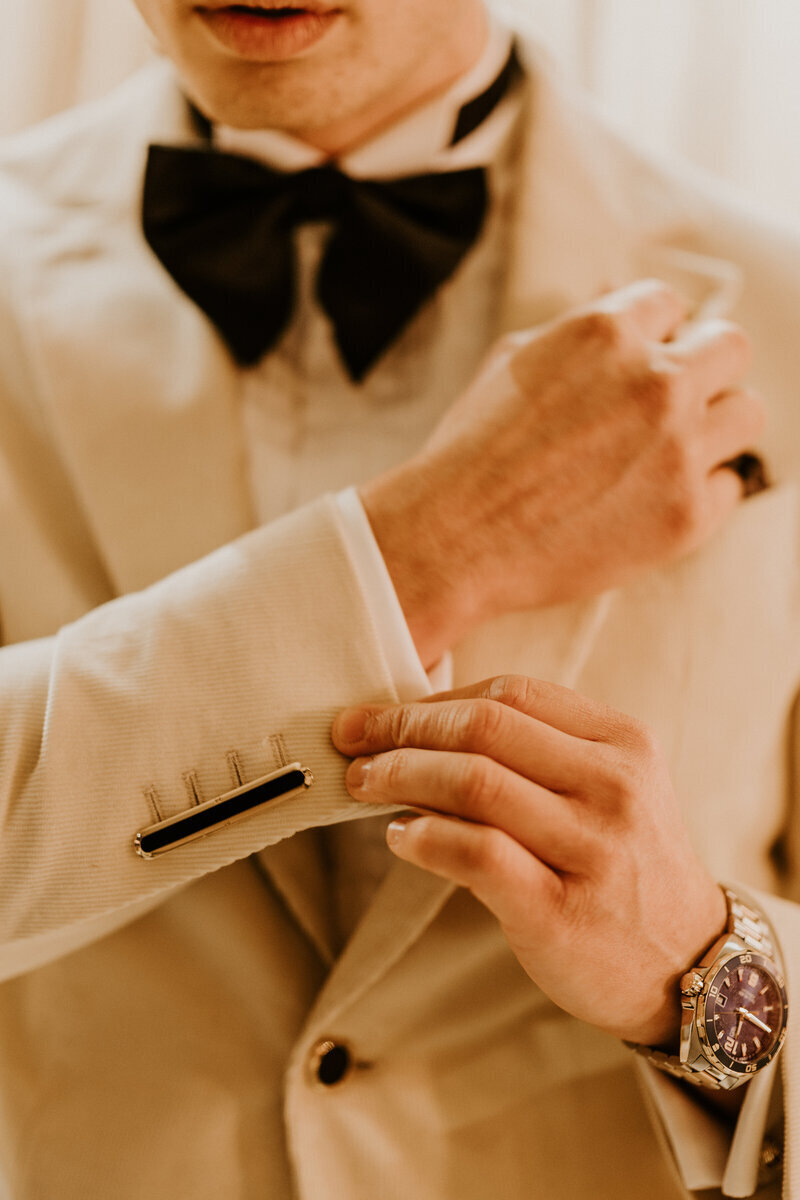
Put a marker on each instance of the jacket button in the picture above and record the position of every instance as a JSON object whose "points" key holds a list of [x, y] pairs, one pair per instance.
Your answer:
{"points": [[330, 1062]]}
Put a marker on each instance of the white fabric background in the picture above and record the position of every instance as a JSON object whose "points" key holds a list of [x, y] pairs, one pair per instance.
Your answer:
{"points": [[715, 80]]}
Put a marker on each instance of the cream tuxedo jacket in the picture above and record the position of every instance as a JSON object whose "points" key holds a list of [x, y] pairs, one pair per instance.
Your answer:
{"points": [[158, 1018]]}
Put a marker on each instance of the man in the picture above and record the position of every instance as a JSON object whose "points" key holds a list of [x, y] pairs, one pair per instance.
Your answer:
{"points": [[256, 1003]]}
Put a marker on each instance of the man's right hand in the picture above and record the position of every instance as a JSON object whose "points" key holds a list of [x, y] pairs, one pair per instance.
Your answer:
{"points": [[585, 451]]}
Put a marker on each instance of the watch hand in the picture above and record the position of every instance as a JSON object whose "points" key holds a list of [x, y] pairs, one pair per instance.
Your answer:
{"points": [[748, 1016]]}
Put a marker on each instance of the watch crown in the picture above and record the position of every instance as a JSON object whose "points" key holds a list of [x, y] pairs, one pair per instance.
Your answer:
{"points": [[691, 983]]}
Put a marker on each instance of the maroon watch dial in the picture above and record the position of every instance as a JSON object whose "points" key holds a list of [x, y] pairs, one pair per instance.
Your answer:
{"points": [[745, 1012]]}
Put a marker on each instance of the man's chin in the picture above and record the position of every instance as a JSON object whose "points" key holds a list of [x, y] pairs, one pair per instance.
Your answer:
{"points": [[291, 94]]}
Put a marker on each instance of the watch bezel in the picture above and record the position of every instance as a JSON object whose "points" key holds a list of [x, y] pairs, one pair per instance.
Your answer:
{"points": [[711, 1049]]}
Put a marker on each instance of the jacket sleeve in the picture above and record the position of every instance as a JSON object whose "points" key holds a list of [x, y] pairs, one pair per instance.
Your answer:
{"points": [[140, 708], [785, 917], [754, 1156]]}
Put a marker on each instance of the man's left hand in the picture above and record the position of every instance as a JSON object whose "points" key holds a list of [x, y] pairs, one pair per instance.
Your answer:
{"points": [[559, 815]]}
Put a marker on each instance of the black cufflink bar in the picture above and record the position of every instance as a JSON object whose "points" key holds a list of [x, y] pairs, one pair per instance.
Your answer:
{"points": [[222, 811]]}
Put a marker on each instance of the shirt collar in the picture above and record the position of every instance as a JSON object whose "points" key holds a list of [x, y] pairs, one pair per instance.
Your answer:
{"points": [[416, 143]]}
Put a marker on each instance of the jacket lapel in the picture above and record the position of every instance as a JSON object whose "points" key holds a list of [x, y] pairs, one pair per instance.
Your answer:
{"points": [[592, 216], [406, 902], [297, 870], [149, 430]]}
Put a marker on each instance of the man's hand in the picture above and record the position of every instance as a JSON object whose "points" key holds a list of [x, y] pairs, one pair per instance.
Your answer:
{"points": [[568, 830], [584, 452]]}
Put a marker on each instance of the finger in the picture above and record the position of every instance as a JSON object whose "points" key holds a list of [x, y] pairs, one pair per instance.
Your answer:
{"points": [[517, 888], [554, 705], [716, 354], [478, 789], [656, 311], [733, 421], [476, 725], [724, 490]]}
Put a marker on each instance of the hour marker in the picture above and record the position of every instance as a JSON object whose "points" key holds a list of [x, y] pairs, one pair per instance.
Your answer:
{"points": [[740, 973], [727, 982], [744, 1047], [757, 1043], [761, 993]]}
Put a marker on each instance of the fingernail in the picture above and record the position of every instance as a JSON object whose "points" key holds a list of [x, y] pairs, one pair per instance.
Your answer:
{"points": [[350, 724], [396, 828], [358, 772]]}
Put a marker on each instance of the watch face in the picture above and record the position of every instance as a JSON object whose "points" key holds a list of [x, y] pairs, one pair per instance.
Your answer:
{"points": [[743, 1013]]}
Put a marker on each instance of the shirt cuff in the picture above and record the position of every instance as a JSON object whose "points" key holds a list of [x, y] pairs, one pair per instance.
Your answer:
{"points": [[710, 1152], [381, 599]]}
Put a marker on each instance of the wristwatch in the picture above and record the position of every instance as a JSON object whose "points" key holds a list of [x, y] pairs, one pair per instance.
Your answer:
{"points": [[733, 1005]]}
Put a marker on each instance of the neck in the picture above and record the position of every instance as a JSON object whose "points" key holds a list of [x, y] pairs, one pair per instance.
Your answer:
{"points": [[430, 78]]}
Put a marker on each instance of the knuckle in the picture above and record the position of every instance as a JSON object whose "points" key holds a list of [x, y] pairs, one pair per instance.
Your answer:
{"points": [[618, 783], [477, 724], [629, 761], [641, 740], [599, 328], [401, 725], [392, 768], [486, 855], [676, 458], [656, 392], [735, 340], [662, 292], [683, 514], [682, 489], [477, 785], [514, 691]]}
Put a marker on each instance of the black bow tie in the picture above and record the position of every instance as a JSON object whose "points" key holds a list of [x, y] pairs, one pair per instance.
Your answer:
{"points": [[222, 226]]}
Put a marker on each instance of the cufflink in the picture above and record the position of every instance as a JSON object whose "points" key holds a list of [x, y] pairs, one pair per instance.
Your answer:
{"points": [[216, 814]]}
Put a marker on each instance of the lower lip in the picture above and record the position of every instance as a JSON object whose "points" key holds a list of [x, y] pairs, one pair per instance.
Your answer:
{"points": [[267, 39]]}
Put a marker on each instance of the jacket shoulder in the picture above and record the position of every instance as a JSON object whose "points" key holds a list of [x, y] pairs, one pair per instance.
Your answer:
{"points": [[656, 197], [92, 153]]}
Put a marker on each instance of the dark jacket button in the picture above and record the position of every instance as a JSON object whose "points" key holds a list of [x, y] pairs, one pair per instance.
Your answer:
{"points": [[330, 1062]]}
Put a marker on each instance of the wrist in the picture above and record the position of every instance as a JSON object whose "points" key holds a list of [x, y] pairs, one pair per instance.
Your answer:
{"points": [[663, 1028], [422, 553], [733, 1005]]}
